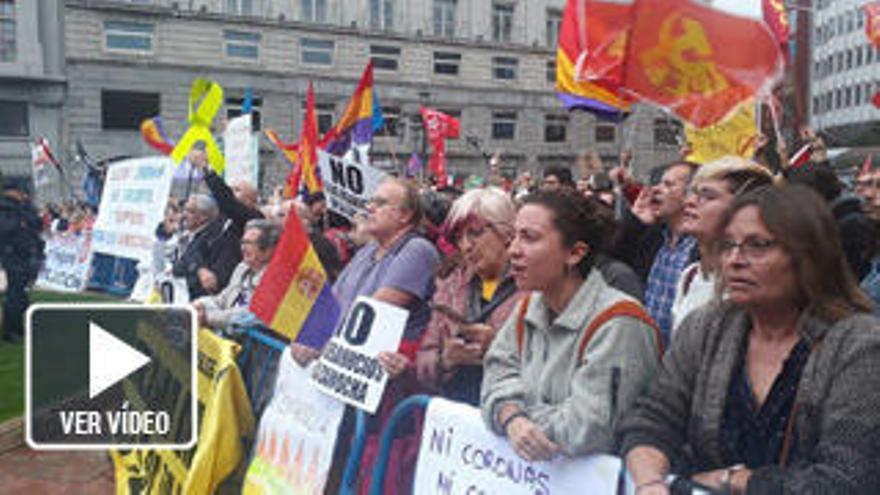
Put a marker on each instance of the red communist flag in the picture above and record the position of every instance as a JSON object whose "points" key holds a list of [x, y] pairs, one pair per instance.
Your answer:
{"points": [[876, 99], [698, 61], [438, 127], [872, 22], [777, 18]]}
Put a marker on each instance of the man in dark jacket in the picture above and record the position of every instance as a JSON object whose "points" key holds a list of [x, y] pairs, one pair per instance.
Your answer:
{"points": [[210, 247], [237, 203], [21, 253]]}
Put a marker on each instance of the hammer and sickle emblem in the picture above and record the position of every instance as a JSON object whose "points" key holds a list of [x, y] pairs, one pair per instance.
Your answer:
{"points": [[681, 63]]}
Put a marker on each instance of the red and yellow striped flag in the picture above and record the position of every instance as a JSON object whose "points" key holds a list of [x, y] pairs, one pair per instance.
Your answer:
{"points": [[294, 296]]}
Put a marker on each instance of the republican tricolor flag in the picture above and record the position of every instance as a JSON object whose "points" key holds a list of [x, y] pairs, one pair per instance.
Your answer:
{"points": [[355, 127], [294, 296], [154, 135]]}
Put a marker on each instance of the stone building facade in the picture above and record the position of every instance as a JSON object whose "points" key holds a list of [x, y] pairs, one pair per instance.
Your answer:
{"points": [[489, 62]]}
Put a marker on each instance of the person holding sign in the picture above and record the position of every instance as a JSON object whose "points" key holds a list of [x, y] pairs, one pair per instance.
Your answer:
{"points": [[474, 299], [775, 390], [396, 267], [576, 352]]}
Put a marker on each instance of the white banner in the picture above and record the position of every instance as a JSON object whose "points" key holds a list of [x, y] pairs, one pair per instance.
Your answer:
{"points": [[348, 184], [132, 205], [460, 456], [348, 368], [67, 263], [294, 447], [241, 151]]}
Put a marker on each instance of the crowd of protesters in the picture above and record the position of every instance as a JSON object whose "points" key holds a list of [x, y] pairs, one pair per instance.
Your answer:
{"points": [[712, 325]]}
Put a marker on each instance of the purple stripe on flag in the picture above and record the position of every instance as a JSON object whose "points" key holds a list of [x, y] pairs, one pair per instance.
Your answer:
{"points": [[321, 322], [362, 131], [574, 101]]}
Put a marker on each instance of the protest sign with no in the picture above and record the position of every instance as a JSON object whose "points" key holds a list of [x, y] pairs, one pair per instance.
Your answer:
{"points": [[348, 368], [67, 262], [348, 185], [241, 151], [132, 205], [460, 456]]}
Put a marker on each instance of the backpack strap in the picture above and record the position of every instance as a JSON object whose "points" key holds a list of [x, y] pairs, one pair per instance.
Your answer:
{"points": [[520, 322], [619, 309]]}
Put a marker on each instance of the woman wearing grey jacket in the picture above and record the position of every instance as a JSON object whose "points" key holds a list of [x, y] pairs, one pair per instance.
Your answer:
{"points": [[575, 353], [776, 390]]}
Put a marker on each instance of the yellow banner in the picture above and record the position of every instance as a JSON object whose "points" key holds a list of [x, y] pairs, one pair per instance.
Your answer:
{"points": [[225, 425], [200, 118], [734, 136]]}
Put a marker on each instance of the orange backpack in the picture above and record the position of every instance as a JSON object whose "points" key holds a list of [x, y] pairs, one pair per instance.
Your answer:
{"points": [[622, 308]]}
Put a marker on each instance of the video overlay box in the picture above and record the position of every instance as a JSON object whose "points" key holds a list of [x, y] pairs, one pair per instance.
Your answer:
{"points": [[102, 376]]}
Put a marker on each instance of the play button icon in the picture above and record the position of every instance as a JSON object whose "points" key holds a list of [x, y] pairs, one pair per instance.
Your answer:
{"points": [[102, 376], [110, 360]]}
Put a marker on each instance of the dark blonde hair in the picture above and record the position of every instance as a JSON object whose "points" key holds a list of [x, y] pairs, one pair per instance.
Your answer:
{"points": [[801, 223]]}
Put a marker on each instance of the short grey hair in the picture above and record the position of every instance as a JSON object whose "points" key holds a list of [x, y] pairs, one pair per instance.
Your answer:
{"points": [[206, 205], [270, 232]]}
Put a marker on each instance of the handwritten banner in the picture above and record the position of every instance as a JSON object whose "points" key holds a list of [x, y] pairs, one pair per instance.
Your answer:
{"points": [[348, 184], [66, 268], [460, 456], [132, 205], [297, 433], [348, 368], [241, 151]]}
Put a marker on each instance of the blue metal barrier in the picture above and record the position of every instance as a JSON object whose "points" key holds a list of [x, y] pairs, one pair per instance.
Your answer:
{"points": [[401, 411], [358, 443], [258, 363]]}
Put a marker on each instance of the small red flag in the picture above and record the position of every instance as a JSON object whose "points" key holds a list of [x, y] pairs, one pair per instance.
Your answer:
{"points": [[876, 99], [777, 18], [438, 127], [802, 156]]}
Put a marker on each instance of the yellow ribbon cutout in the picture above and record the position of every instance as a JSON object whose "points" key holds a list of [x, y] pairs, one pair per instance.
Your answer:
{"points": [[200, 123]]}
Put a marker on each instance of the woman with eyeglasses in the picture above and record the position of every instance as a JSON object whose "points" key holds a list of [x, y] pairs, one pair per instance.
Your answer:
{"points": [[775, 390], [474, 299], [712, 190], [575, 352]]}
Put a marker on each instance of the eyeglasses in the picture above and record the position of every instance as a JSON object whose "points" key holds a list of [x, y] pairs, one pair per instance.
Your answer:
{"points": [[704, 194], [751, 248]]}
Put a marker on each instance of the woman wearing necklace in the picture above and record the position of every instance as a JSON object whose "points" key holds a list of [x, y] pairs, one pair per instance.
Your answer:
{"points": [[775, 389]]}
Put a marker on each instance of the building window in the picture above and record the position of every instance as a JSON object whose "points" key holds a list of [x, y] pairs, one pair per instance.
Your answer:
{"points": [[847, 96], [15, 119], [129, 36], [385, 57], [503, 125], [447, 63], [239, 44], [240, 7], [551, 71], [392, 126], [504, 67], [859, 58], [869, 54], [316, 52], [857, 97], [314, 10], [125, 110], [382, 14], [849, 59], [554, 24], [325, 114], [444, 18], [555, 127], [502, 22], [7, 30], [838, 95], [666, 131], [604, 133], [234, 105]]}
